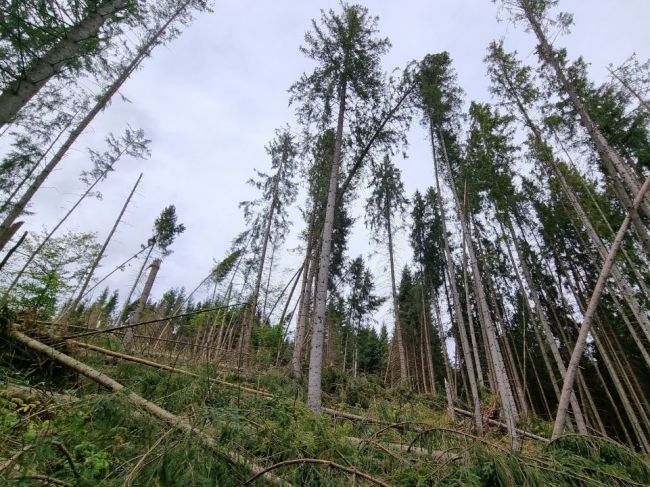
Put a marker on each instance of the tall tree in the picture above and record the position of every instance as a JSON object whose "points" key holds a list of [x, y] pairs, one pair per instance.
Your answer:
{"points": [[360, 302], [439, 98], [386, 204], [163, 29], [165, 230], [535, 13], [278, 193], [347, 53]]}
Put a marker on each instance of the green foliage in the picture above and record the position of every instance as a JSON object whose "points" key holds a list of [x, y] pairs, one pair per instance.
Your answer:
{"points": [[166, 229], [53, 272]]}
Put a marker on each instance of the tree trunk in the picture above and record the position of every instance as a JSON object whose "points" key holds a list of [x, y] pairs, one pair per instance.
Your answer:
{"points": [[144, 297], [610, 157], [505, 391], [95, 263], [20, 91], [316, 355], [143, 52], [546, 328], [403, 373], [462, 331], [127, 301], [58, 225], [303, 311], [6, 236], [250, 315], [585, 328], [177, 422]]}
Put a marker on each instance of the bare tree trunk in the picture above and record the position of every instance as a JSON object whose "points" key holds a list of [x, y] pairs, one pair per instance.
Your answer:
{"points": [[20, 91], [470, 320], [6, 236], [505, 391], [546, 328], [401, 353], [303, 313], [100, 255], [249, 320], [316, 355], [127, 301], [585, 328], [462, 331], [144, 297], [177, 422]]}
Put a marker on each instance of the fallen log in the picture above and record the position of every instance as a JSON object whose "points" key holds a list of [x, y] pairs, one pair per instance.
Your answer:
{"points": [[435, 455], [329, 411], [155, 410], [503, 426], [157, 365]]}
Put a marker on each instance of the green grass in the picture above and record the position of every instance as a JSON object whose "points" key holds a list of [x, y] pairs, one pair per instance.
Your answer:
{"points": [[113, 444]]}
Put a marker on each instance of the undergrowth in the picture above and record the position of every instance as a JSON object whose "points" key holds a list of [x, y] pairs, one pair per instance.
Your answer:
{"points": [[87, 437]]}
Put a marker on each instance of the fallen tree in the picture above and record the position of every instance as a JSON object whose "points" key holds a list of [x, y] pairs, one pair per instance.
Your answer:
{"points": [[171, 419], [329, 411]]}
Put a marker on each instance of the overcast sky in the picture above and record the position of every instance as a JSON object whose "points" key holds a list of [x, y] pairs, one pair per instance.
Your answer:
{"points": [[210, 102]]}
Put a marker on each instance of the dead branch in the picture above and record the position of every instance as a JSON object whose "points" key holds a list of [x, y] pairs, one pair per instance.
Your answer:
{"points": [[7, 463], [320, 461], [44, 478], [502, 426]]}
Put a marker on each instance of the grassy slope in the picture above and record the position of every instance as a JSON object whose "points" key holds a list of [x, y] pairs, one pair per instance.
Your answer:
{"points": [[112, 444]]}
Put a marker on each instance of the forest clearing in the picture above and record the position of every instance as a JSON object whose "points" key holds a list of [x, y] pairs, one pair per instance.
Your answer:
{"points": [[437, 274]]}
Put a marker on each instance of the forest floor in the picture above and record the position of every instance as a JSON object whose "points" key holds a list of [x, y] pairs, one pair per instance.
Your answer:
{"points": [[60, 428]]}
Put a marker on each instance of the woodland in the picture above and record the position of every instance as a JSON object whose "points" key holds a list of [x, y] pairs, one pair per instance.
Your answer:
{"points": [[517, 345]]}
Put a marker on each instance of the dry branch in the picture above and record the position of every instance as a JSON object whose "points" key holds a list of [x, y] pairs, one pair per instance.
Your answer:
{"points": [[501, 425], [137, 400], [320, 461]]}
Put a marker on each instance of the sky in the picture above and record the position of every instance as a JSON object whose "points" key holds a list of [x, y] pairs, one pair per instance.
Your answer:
{"points": [[211, 100]]}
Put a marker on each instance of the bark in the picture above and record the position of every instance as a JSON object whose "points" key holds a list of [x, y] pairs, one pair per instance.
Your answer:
{"points": [[585, 328], [620, 379], [177, 422], [519, 394], [34, 77], [144, 297], [505, 391], [546, 327], [316, 355], [127, 301], [11, 251], [460, 321], [552, 168], [303, 313], [20, 206], [403, 373], [7, 235]]}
